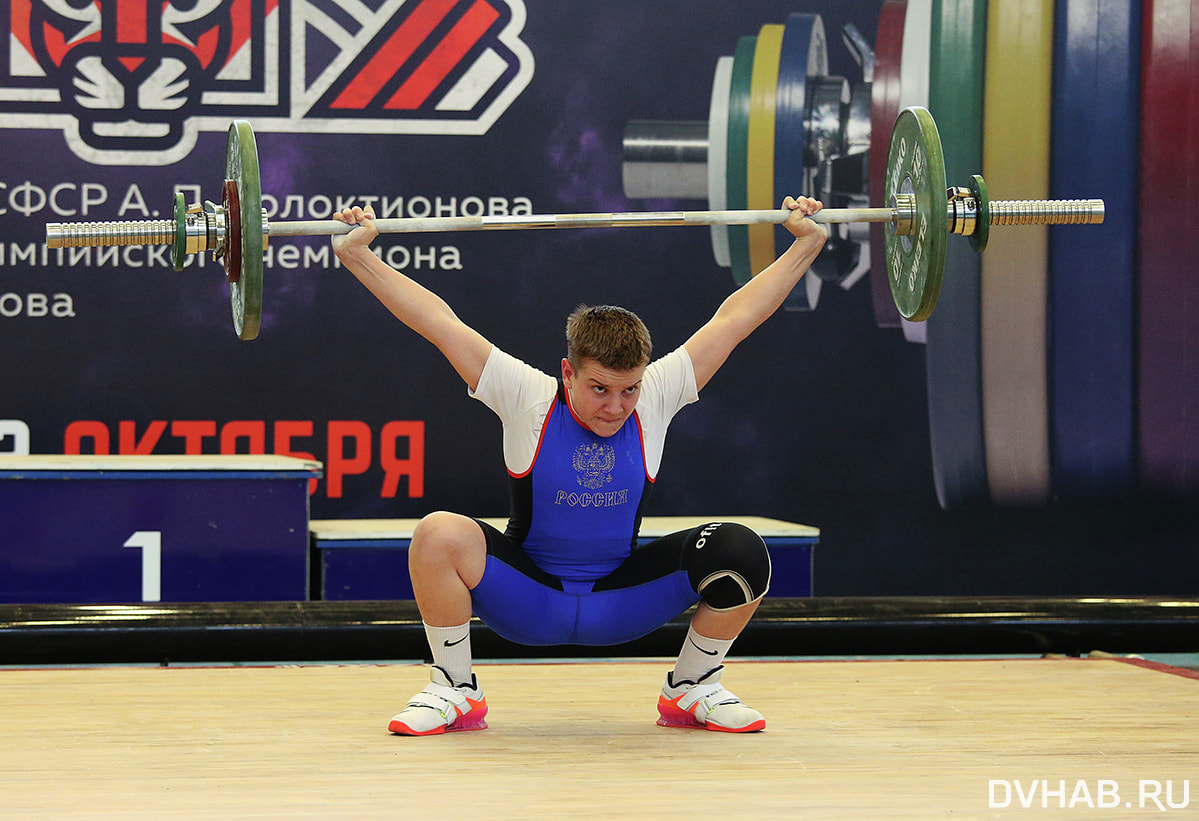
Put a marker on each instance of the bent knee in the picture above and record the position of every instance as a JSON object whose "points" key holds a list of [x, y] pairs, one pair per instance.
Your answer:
{"points": [[727, 564], [444, 538]]}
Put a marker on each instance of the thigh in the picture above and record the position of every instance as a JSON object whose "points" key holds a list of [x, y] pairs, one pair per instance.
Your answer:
{"points": [[518, 600], [626, 613], [651, 561], [726, 563], [505, 549]]}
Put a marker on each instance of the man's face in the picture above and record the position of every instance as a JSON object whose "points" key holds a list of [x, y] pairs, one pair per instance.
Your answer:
{"points": [[601, 398]]}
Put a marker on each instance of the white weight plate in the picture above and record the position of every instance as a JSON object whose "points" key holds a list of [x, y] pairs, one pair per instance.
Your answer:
{"points": [[718, 148]]}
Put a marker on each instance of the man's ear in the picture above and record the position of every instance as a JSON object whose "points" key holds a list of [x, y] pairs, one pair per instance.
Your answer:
{"points": [[568, 371]]}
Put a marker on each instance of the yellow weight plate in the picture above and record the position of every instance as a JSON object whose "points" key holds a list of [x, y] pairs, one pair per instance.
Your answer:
{"points": [[1016, 150], [760, 157]]}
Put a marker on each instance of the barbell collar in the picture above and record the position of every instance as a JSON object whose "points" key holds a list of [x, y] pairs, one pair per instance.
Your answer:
{"points": [[963, 211]]}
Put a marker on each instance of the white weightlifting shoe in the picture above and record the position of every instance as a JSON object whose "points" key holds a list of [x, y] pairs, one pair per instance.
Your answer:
{"points": [[707, 704], [442, 707]]}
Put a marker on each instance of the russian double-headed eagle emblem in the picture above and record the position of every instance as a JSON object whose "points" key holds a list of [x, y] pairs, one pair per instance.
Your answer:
{"points": [[594, 463]]}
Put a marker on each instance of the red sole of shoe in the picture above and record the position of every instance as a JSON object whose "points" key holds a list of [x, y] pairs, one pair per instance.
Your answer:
{"points": [[672, 716], [397, 728]]}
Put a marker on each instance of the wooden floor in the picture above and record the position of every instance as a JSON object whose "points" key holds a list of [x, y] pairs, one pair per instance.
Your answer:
{"points": [[845, 739]]}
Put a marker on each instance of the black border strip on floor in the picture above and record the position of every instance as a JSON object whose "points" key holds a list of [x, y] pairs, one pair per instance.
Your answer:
{"points": [[388, 630]]}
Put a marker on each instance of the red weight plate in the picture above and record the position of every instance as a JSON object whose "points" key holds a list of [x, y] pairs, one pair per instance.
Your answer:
{"points": [[884, 108], [1168, 404], [232, 205]]}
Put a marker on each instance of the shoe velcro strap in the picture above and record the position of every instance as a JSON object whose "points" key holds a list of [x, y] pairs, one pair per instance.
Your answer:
{"points": [[439, 697], [710, 696]]}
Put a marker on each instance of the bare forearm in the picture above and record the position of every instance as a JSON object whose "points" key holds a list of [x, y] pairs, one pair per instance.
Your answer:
{"points": [[754, 302], [410, 302]]}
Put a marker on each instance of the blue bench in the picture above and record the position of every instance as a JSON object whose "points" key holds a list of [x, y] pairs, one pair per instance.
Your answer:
{"points": [[367, 559], [114, 529]]}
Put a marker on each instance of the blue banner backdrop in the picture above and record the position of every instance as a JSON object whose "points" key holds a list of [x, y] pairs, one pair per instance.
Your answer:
{"points": [[820, 417]]}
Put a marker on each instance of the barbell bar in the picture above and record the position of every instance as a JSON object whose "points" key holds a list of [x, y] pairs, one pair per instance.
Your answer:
{"points": [[199, 238], [920, 214]]}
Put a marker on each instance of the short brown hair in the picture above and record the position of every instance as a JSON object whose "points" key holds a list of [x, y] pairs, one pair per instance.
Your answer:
{"points": [[614, 337]]}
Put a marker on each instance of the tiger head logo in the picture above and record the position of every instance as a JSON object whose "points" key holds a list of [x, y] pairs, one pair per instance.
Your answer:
{"points": [[129, 70]]}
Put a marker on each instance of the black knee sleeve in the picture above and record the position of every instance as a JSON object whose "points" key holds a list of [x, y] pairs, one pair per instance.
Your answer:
{"points": [[727, 564]]}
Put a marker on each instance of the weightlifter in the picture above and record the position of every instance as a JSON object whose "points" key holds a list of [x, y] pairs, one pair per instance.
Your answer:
{"points": [[583, 451]]}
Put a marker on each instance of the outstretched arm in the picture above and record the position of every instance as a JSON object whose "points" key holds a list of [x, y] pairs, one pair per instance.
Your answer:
{"points": [[751, 304], [416, 306]]}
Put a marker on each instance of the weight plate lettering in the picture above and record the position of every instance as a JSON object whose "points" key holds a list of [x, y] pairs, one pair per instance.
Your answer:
{"points": [[916, 167], [913, 91]]}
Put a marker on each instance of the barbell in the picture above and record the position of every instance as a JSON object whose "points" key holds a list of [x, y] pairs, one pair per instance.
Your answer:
{"points": [[921, 213]]}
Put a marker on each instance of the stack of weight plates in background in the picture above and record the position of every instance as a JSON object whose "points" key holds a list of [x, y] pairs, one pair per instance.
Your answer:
{"points": [[1063, 363]]}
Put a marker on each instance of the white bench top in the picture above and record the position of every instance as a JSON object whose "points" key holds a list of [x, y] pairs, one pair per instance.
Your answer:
{"points": [[156, 463], [334, 530]]}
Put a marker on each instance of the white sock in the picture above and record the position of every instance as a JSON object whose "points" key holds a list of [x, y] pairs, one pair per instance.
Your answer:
{"points": [[451, 650], [699, 655]]}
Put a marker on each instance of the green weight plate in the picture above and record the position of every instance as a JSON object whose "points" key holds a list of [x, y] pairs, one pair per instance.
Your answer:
{"points": [[241, 166], [916, 166], [738, 152], [953, 358], [914, 69], [179, 249]]}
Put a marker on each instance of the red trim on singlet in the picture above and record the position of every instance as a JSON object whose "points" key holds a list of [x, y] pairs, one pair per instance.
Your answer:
{"points": [[546, 423], [634, 416], [641, 438], [570, 407]]}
